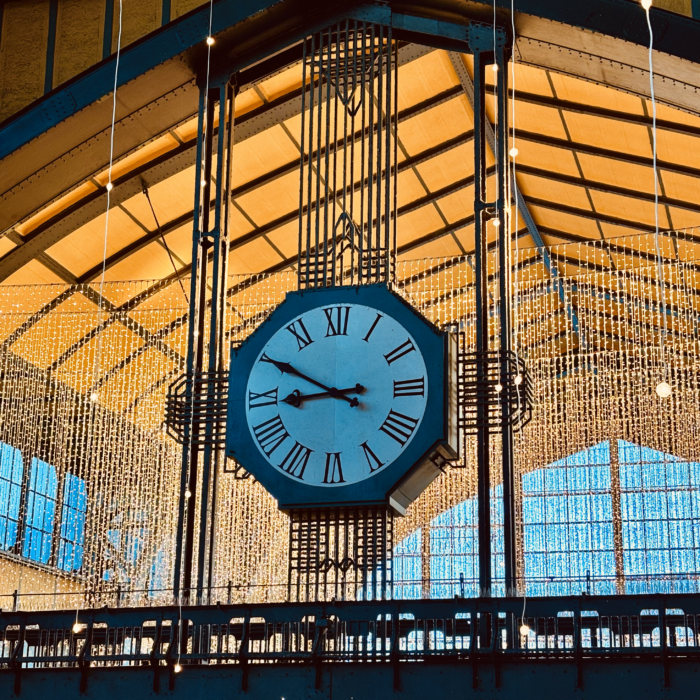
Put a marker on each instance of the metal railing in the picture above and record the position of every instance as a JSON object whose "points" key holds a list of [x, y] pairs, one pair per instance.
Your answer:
{"points": [[398, 631]]}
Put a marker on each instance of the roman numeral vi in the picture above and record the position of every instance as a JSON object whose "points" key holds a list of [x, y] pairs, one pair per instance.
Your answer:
{"points": [[334, 469]]}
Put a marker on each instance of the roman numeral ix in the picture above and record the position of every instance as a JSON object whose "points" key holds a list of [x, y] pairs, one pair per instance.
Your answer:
{"points": [[296, 460], [334, 469], [267, 398], [409, 387], [399, 427], [270, 434], [298, 330], [398, 353], [337, 317], [372, 459]]}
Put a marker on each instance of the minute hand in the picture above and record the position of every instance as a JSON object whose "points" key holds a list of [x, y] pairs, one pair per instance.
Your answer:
{"points": [[286, 368]]}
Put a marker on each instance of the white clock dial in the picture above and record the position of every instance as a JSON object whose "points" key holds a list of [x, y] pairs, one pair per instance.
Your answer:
{"points": [[336, 395]]}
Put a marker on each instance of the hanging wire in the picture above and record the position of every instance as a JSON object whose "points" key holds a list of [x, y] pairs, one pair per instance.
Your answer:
{"points": [[662, 387], [512, 187], [110, 186], [165, 243]]}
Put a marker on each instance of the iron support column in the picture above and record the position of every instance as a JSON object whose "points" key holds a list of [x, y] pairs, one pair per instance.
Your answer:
{"points": [[505, 290], [481, 216]]}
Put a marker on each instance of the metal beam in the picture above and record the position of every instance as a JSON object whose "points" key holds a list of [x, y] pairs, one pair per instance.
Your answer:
{"points": [[468, 87]]}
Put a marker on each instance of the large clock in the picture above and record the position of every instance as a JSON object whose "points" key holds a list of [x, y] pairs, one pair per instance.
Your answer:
{"points": [[343, 397]]}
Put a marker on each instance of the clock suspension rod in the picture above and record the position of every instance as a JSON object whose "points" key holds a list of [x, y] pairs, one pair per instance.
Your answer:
{"points": [[480, 43]]}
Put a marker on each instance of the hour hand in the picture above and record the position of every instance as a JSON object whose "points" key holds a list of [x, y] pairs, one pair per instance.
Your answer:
{"points": [[296, 397]]}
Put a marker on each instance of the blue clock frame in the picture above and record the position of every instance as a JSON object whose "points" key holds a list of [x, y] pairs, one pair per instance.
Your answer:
{"points": [[403, 480]]}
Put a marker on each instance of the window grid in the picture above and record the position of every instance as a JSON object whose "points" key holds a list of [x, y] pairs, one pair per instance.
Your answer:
{"points": [[11, 473], [72, 537], [40, 512]]}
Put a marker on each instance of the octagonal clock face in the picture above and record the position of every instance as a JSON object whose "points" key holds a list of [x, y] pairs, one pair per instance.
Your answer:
{"points": [[336, 395]]}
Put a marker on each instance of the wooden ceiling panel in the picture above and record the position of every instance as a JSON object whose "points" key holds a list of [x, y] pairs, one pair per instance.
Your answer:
{"points": [[554, 191], [678, 148], [84, 248], [529, 79], [261, 154], [436, 125], [171, 198], [535, 118], [677, 186], [256, 256], [444, 246], [280, 84], [272, 200], [418, 223], [34, 273], [425, 77], [409, 188], [564, 222], [587, 93], [617, 173], [456, 164], [458, 205], [633, 210], [556, 160], [149, 263], [609, 133]]}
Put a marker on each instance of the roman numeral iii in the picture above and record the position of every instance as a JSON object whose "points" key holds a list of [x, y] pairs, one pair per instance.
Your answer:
{"points": [[298, 330], [296, 460], [337, 317], [334, 469], [409, 387], [270, 434], [267, 398], [398, 353], [399, 427]]}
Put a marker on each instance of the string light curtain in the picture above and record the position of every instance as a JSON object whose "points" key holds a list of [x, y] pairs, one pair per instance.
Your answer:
{"points": [[590, 338]]}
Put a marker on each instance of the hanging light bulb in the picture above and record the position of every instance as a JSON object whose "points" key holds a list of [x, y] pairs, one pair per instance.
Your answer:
{"points": [[513, 152], [496, 222], [663, 389], [494, 67], [77, 627], [210, 41], [498, 388], [94, 397], [188, 493], [518, 380], [524, 630], [177, 668], [646, 4], [204, 183], [110, 187]]}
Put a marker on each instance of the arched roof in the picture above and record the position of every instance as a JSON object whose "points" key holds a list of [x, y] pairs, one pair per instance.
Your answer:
{"points": [[582, 125]]}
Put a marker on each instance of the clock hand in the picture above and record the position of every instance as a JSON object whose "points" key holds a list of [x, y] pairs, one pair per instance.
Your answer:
{"points": [[286, 368], [295, 398]]}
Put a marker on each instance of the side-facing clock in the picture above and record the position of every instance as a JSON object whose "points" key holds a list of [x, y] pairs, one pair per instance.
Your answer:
{"points": [[342, 397]]}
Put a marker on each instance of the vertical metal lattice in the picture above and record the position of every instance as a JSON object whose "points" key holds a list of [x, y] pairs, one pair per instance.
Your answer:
{"points": [[340, 554], [347, 207]]}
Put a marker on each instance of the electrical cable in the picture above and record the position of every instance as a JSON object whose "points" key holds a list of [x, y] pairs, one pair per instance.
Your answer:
{"points": [[663, 386], [110, 187]]}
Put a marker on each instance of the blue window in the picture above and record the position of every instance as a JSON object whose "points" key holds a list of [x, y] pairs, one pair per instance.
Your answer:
{"points": [[41, 511], [11, 471], [70, 549]]}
